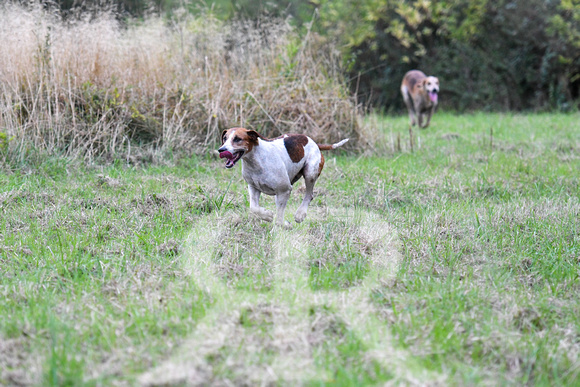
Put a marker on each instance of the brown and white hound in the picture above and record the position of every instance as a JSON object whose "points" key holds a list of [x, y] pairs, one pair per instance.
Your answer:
{"points": [[420, 93], [272, 166]]}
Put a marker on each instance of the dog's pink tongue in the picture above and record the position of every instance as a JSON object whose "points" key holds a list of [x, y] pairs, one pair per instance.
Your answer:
{"points": [[433, 97], [226, 154]]}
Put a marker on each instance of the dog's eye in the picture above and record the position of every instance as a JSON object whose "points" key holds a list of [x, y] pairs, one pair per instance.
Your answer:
{"points": [[237, 139]]}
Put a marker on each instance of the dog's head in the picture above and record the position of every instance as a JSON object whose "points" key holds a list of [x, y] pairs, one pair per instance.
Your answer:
{"points": [[431, 87], [236, 142]]}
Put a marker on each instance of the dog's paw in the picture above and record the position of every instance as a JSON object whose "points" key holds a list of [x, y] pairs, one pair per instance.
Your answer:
{"points": [[286, 225], [267, 215], [263, 214], [299, 216]]}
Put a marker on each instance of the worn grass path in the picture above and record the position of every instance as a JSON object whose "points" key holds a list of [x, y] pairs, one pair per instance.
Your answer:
{"points": [[279, 335]]}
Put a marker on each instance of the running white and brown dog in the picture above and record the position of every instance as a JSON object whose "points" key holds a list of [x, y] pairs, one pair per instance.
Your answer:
{"points": [[272, 166], [420, 93]]}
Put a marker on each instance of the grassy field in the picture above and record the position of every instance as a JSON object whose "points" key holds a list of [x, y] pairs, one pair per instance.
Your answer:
{"points": [[455, 263]]}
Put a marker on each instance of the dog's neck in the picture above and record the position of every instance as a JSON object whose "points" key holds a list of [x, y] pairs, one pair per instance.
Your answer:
{"points": [[252, 158]]}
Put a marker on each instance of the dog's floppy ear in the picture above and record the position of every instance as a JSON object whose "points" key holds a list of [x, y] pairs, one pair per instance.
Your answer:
{"points": [[223, 137], [253, 135]]}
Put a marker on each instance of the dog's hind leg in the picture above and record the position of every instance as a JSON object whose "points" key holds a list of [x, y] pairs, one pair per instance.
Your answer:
{"points": [[409, 102], [308, 196], [255, 208], [429, 114], [311, 174]]}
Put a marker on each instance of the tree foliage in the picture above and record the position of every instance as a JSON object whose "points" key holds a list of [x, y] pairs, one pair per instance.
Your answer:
{"points": [[494, 54], [488, 54]]}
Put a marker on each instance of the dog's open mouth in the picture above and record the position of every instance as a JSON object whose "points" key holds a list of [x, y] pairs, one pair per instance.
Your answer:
{"points": [[433, 96], [232, 159]]}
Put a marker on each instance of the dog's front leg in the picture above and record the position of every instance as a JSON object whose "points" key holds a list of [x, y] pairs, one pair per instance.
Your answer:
{"points": [[419, 119], [429, 114], [255, 208], [281, 200]]}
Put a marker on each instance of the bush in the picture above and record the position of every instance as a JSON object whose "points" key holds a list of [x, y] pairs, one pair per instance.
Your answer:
{"points": [[91, 87], [498, 55]]}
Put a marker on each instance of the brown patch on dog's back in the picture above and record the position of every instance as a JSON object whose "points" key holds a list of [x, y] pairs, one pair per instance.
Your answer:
{"points": [[295, 144]]}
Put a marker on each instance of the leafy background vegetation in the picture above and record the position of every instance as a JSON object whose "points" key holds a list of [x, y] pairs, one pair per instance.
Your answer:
{"points": [[95, 79], [498, 55]]}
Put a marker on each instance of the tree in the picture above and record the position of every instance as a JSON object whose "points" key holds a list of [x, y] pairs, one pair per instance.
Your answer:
{"points": [[502, 54]]}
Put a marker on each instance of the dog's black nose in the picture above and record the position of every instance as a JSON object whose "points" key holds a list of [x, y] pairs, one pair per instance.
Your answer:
{"points": [[221, 149]]}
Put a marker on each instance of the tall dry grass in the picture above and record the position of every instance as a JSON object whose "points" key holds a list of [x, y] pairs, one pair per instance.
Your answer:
{"points": [[91, 87]]}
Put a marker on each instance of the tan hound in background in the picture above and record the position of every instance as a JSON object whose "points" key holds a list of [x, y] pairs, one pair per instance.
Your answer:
{"points": [[272, 166], [420, 94]]}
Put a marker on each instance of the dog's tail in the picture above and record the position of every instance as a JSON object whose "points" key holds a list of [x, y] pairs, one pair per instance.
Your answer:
{"points": [[333, 146]]}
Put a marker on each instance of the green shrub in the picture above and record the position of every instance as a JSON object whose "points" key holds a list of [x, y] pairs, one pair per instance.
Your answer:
{"points": [[498, 55]]}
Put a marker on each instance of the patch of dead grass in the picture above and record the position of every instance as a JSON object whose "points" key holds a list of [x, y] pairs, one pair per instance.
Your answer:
{"points": [[19, 366], [97, 89]]}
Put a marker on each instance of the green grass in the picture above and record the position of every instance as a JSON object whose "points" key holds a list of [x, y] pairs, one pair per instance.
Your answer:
{"points": [[98, 286]]}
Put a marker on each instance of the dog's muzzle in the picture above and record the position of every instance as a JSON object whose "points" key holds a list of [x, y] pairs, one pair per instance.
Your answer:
{"points": [[231, 159], [433, 96]]}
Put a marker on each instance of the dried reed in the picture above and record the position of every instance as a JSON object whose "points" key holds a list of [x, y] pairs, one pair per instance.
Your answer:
{"points": [[92, 87]]}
